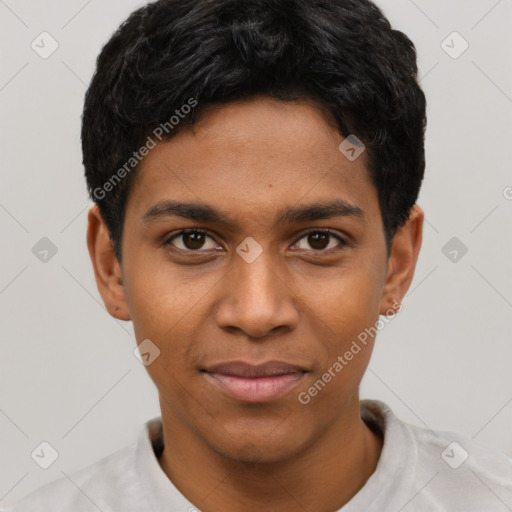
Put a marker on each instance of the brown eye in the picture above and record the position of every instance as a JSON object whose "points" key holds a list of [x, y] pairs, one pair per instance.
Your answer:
{"points": [[192, 240], [321, 240]]}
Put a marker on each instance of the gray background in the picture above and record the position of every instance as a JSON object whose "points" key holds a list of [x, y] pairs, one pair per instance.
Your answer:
{"points": [[68, 375]]}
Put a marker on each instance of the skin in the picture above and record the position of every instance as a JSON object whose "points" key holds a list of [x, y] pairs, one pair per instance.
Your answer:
{"points": [[300, 302]]}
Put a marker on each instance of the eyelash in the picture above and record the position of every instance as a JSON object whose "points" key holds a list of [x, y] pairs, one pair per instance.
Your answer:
{"points": [[343, 243]]}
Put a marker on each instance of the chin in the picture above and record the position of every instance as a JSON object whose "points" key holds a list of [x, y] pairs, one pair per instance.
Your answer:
{"points": [[254, 446]]}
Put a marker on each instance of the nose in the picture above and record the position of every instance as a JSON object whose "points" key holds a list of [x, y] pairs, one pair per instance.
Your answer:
{"points": [[257, 300]]}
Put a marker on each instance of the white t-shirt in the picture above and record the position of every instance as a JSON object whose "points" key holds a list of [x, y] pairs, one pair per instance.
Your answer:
{"points": [[419, 470]]}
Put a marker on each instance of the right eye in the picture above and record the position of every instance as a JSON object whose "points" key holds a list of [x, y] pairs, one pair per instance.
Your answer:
{"points": [[191, 240]]}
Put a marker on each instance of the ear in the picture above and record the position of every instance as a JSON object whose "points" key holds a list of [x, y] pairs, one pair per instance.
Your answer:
{"points": [[107, 271], [402, 262]]}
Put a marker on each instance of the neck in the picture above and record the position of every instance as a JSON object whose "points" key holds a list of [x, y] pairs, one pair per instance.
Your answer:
{"points": [[322, 477]]}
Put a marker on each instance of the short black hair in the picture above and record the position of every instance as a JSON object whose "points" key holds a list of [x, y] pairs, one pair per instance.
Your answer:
{"points": [[172, 58]]}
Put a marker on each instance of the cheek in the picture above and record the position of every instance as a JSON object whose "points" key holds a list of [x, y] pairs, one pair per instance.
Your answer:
{"points": [[168, 308], [347, 302], [162, 298], [345, 308]]}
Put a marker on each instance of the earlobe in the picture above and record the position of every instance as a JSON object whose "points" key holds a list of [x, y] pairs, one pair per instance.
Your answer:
{"points": [[402, 261], [107, 271]]}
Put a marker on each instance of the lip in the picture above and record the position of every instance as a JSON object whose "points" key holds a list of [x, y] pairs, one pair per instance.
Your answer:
{"points": [[255, 383]]}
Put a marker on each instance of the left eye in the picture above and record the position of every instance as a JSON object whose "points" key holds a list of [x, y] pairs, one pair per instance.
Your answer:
{"points": [[321, 240], [192, 240]]}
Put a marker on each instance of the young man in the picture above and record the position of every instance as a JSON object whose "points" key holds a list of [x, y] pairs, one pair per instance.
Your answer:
{"points": [[255, 166]]}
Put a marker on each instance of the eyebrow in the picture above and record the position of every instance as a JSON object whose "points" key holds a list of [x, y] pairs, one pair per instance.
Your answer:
{"points": [[200, 212]]}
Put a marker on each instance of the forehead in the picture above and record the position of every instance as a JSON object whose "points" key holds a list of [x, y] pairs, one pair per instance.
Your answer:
{"points": [[254, 157]]}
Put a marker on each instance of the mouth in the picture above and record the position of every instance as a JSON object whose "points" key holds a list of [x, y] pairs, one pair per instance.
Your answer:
{"points": [[255, 383]]}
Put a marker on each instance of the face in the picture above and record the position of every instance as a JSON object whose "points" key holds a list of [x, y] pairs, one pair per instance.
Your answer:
{"points": [[252, 239]]}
